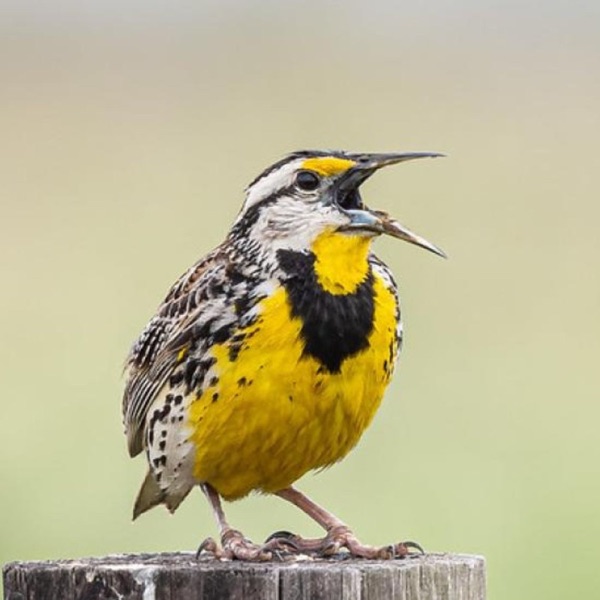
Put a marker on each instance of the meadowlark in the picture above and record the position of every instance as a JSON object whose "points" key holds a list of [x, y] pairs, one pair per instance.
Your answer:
{"points": [[269, 357]]}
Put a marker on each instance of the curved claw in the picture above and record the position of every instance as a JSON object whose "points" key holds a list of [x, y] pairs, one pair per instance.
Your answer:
{"points": [[277, 535], [413, 545], [342, 537], [399, 550], [281, 544], [237, 547], [210, 547]]}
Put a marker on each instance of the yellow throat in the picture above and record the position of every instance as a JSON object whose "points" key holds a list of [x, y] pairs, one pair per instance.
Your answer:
{"points": [[341, 261]]}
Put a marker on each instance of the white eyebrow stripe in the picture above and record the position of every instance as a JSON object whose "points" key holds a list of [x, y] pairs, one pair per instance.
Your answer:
{"points": [[271, 183]]}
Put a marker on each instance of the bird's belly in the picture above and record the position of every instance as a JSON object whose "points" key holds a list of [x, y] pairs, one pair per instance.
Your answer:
{"points": [[272, 413]]}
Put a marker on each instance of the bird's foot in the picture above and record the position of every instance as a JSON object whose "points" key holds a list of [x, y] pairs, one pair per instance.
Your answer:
{"points": [[235, 546], [339, 538]]}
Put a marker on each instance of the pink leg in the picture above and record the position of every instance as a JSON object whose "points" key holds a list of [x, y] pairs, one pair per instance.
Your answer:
{"points": [[235, 544], [339, 535]]}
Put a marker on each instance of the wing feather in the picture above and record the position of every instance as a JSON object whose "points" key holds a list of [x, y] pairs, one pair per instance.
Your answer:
{"points": [[154, 355]]}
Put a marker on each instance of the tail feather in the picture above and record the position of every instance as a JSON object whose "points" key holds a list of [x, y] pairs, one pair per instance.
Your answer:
{"points": [[149, 496]]}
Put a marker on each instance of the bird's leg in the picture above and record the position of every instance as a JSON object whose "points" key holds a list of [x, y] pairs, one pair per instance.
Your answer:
{"points": [[234, 544], [339, 535]]}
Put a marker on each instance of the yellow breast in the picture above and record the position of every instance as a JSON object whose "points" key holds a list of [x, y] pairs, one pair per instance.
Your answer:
{"points": [[274, 412]]}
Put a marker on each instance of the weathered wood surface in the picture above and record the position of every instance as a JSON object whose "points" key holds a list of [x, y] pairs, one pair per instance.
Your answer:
{"points": [[182, 577]]}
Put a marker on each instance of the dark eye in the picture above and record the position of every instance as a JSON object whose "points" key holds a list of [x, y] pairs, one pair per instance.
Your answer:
{"points": [[307, 181]]}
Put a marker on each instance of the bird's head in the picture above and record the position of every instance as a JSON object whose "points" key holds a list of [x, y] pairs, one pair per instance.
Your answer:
{"points": [[311, 193]]}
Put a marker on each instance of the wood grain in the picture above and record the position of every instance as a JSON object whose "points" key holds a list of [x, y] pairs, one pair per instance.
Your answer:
{"points": [[181, 577]]}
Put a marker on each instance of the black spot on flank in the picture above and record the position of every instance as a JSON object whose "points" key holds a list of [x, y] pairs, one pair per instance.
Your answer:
{"points": [[215, 396], [213, 380], [163, 433], [169, 398], [160, 415], [180, 418], [235, 345], [162, 444], [208, 363], [391, 352], [242, 381], [241, 305], [178, 399], [334, 327], [201, 331], [189, 372], [195, 371], [234, 351], [291, 398], [161, 461], [245, 301], [222, 334], [176, 378], [238, 337]]}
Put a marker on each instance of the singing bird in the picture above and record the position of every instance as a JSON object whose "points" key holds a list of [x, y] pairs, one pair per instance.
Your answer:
{"points": [[270, 356]]}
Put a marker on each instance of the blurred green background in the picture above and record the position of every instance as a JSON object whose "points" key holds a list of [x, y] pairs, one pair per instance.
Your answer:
{"points": [[128, 132]]}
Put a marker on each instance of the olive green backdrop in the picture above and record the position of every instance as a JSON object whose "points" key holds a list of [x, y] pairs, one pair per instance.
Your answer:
{"points": [[128, 132]]}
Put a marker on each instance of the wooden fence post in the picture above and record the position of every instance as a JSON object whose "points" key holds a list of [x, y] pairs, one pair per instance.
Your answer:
{"points": [[181, 577]]}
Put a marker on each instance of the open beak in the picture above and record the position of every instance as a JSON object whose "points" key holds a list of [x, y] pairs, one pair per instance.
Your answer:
{"points": [[365, 219]]}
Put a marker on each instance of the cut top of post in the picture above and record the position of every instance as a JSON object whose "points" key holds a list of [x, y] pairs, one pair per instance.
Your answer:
{"points": [[179, 576]]}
